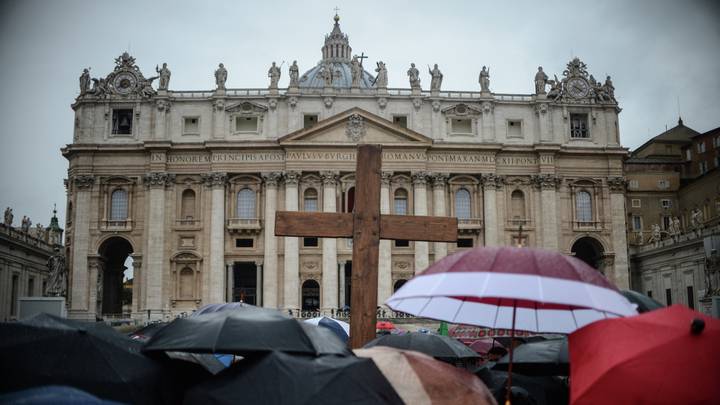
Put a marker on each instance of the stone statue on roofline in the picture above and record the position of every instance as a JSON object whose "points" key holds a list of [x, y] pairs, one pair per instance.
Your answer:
{"points": [[8, 220], [356, 71], [381, 80], [294, 74], [414, 76], [220, 77], [85, 81], [274, 75], [484, 80], [436, 78], [164, 77], [540, 81], [25, 224]]}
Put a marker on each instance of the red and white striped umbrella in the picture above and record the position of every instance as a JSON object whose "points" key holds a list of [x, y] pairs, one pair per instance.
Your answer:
{"points": [[512, 288]]}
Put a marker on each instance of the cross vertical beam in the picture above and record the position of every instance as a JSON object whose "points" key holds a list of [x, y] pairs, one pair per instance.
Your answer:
{"points": [[366, 243]]}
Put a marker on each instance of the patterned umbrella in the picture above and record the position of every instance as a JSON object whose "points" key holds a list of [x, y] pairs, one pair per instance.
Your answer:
{"points": [[339, 328]]}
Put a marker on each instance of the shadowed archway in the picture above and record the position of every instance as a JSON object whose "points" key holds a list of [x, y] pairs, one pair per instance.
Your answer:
{"points": [[114, 252], [589, 250]]}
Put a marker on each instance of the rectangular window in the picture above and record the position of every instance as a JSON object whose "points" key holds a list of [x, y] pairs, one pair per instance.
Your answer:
{"points": [[402, 243], [701, 147], [191, 126], [668, 297], [461, 126], [649, 293], [514, 129], [717, 161], [400, 120], [637, 222], [244, 243], [635, 203], [703, 167], [465, 243], [310, 242], [31, 287], [401, 206], [690, 297], [579, 126], [122, 120], [246, 124], [14, 294], [665, 203], [309, 120], [688, 154]]}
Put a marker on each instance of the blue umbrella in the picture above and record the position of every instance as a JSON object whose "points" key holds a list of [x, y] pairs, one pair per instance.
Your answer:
{"points": [[339, 328]]}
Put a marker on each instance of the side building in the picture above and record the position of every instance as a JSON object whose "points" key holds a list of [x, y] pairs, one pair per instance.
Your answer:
{"points": [[674, 217], [186, 183]]}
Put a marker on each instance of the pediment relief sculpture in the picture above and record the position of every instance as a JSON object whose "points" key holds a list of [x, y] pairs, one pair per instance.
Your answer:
{"points": [[462, 109], [246, 107]]}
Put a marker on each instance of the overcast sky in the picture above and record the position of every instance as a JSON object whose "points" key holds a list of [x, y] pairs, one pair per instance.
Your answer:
{"points": [[656, 52]]}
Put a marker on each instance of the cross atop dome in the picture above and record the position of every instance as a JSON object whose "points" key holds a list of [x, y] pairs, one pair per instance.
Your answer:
{"points": [[337, 47]]}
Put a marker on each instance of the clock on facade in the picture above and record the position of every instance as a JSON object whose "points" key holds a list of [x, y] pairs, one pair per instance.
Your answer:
{"points": [[577, 87], [124, 83]]}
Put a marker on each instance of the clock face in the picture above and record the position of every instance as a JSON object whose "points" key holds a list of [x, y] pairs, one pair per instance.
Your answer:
{"points": [[124, 83], [577, 88]]}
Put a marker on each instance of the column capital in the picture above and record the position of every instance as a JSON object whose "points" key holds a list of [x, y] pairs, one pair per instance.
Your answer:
{"points": [[329, 178], [271, 179], [84, 181], [214, 179], [158, 179], [385, 178], [439, 180], [292, 177], [617, 184], [492, 181], [546, 181], [419, 178]]}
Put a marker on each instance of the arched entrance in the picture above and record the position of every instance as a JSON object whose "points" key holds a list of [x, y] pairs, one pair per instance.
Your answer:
{"points": [[589, 250], [115, 277], [310, 295]]}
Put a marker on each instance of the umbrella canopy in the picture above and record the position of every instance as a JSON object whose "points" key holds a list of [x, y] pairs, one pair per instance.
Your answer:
{"points": [[146, 332], [53, 395], [283, 378], [420, 379], [228, 306], [254, 330], [546, 357], [437, 346], [47, 350], [384, 325], [551, 292], [482, 346], [643, 302], [339, 328], [667, 356]]}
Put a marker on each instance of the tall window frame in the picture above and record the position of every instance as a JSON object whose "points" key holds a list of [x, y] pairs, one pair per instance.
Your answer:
{"points": [[246, 203], [119, 204], [463, 203]]}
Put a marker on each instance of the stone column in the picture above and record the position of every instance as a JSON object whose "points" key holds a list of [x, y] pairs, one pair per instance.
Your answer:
{"points": [[259, 283], [488, 121], [96, 270], [620, 276], [422, 260], [439, 180], [548, 184], [218, 128], [541, 109], [163, 108], [229, 281], [137, 302], [341, 284], [329, 246], [270, 276], [79, 272], [490, 212], [291, 266], [385, 255], [156, 265], [216, 265]]}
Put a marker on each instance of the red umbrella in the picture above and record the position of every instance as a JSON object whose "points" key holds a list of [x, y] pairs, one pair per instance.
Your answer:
{"points": [[512, 288], [482, 346], [384, 325], [666, 356]]}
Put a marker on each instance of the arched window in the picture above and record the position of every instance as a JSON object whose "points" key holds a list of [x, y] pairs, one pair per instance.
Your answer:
{"points": [[187, 206], [246, 204], [401, 202], [186, 283], [463, 209], [517, 204], [310, 202], [583, 206], [118, 205], [310, 295]]}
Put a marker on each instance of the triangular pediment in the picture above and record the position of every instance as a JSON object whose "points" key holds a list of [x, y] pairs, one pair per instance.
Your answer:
{"points": [[355, 126]]}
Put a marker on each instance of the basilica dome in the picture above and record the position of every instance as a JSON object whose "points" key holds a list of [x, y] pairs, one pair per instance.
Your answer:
{"points": [[337, 55]]}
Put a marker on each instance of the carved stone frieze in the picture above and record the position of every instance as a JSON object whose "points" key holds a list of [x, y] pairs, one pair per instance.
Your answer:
{"points": [[541, 108], [436, 105], [292, 101], [84, 181], [439, 180], [328, 101], [546, 181], [461, 110], [219, 104], [272, 103], [292, 177], [617, 184], [419, 178], [329, 178], [159, 179], [492, 181], [487, 107], [355, 128], [215, 179], [162, 105], [417, 103], [382, 102], [271, 179]]}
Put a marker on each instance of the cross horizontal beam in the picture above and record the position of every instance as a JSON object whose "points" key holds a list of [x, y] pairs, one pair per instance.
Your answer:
{"points": [[340, 225]]}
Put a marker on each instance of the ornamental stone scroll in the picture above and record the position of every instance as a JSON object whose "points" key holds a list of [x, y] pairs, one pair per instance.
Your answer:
{"points": [[617, 184], [546, 181], [329, 178], [292, 177], [159, 179], [439, 180], [420, 178], [214, 179], [84, 181], [271, 179], [492, 181]]}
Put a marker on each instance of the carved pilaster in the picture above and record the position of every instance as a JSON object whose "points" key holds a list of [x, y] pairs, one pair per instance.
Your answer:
{"points": [[214, 179], [292, 177], [487, 107], [271, 179], [382, 102], [546, 181], [617, 184], [419, 178], [329, 178], [439, 180], [163, 105], [417, 103], [84, 181], [492, 181], [219, 105], [385, 178], [159, 179]]}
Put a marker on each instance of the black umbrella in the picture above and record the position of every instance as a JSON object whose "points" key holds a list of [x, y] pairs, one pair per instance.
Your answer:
{"points": [[283, 378], [548, 357], [146, 332], [47, 350], [542, 389], [437, 346], [644, 303], [252, 330]]}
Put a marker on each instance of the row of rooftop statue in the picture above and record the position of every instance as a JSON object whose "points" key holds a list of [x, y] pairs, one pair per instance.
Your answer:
{"points": [[25, 224], [674, 229], [330, 72]]}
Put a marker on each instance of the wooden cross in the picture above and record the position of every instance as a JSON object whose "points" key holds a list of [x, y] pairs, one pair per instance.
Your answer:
{"points": [[366, 226], [361, 57]]}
